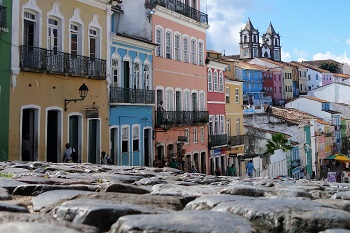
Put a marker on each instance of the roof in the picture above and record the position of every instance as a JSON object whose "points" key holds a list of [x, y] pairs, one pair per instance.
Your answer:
{"points": [[212, 51], [314, 99], [312, 67], [292, 115], [249, 26], [266, 130], [248, 66], [270, 29], [332, 112], [347, 76], [279, 63]]}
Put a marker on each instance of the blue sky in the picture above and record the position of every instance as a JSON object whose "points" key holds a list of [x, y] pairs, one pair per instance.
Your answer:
{"points": [[309, 29]]}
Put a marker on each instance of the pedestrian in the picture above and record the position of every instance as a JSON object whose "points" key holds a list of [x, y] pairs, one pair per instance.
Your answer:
{"points": [[217, 171], [231, 171], [104, 159], [249, 168], [67, 156]]}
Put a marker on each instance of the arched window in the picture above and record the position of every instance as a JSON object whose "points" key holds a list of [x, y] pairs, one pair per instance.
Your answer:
{"points": [[245, 38], [221, 82], [215, 81], [210, 81]]}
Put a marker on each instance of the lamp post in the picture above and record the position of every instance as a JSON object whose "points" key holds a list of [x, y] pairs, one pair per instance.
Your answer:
{"points": [[83, 90]]}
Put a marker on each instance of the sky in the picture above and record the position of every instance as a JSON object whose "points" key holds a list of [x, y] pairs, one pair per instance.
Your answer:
{"points": [[309, 29]]}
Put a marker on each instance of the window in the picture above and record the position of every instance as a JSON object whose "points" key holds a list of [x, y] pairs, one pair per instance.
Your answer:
{"points": [[210, 81], [115, 72], [222, 124], [136, 76], [194, 135], [215, 81], [30, 29], [255, 52], [159, 96], [177, 48], [238, 126], [216, 125], [74, 40], [187, 135], [185, 50], [159, 43], [135, 138], [309, 77], [193, 52], [169, 100], [228, 95], [92, 42], [146, 78], [237, 95], [168, 46], [178, 99], [280, 89], [186, 101], [221, 82], [201, 101], [125, 139], [53, 35], [228, 127], [200, 53], [202, 134]]}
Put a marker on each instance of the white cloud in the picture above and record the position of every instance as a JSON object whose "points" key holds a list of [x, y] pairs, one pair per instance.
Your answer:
{"points": [[341, 58], [347, 41], [285, 56], [300, 59], [225, 24]]}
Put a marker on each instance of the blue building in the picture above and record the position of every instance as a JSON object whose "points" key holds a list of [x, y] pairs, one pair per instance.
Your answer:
{"points": [[253, 90], [131, 101]]}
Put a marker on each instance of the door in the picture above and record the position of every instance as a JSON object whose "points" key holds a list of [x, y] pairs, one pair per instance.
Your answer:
{"points": [[53, 137], [126, 82], [114, 145], [147, 147], [30, 127], [75, 137], [93, 141]]}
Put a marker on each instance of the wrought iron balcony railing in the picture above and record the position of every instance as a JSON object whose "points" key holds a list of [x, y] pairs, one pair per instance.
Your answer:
{"points": [[42, 60], [181, 8], [218, 140], [2, 17], [236, 140], [134, 96], [168, 119]]}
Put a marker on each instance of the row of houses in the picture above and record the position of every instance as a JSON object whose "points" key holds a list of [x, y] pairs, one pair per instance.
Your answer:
{"points": [[92, 74]]}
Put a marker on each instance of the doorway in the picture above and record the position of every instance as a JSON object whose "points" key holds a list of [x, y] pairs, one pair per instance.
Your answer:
{"points": [[53, 136], [114, 135], [94, 141], [30, 129], [75, 134], [147, 147]]}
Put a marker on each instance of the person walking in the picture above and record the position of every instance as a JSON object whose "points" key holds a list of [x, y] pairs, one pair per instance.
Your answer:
{"points": [[217, 171], [231, 171], [250, 168]]}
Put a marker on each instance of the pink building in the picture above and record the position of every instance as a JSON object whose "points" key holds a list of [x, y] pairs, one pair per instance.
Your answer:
{"points": [[180, 82], [218, 138]]}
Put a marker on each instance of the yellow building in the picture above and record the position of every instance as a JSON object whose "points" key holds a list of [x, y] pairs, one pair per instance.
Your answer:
{"points": [[234, 124], [58, 49]]}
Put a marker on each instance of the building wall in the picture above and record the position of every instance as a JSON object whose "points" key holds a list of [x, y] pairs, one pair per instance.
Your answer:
{"points": [[42, 92], [5, 51], [310, 106], [288, 83]]}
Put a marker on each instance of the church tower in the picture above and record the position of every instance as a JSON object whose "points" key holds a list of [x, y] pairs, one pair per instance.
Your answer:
{"points": [[249, 41], [271, 47]]}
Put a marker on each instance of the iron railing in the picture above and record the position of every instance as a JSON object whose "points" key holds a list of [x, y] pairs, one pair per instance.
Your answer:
{"points": [[218, 140], [181, 8], [134, 96], [329, 134], [2, 17], [168, 119], [42, 60], [236, 140]]}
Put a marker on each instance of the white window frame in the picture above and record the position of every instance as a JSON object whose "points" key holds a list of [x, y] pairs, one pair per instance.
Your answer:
{"points": [[115, 65], [193, 54], [185, 49], [227, 95], [168, 44], [136, 136], [77, 21], [200, 52], [210, 80], [169, 95], [136, 72], [187, 134], [93, 36], [56, 14], [33, 9], [177, 47], [202, 134], [202, 101], [216, 81], [222, 124], [187, 100], [125, 137], [237, 95], [147, 77], [195, 135], [159, 39], [221, 82]]}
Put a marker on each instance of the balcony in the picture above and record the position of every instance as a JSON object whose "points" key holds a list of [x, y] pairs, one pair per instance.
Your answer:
{"points": [[236, 140], [329, 134], [132, 96], [218, 140], [168, 119], [180, 8], [2, 17], [42, 60]]}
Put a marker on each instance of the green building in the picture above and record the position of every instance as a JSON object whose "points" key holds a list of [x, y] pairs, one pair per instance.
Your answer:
{"points": [[5, 75]]}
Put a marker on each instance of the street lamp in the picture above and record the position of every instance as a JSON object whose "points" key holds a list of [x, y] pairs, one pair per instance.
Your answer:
{"points": [[83, 90]]}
